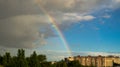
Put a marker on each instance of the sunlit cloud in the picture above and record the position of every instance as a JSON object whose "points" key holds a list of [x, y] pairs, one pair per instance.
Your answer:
{"points": [[106, 16], [76, 17], [117, 1]]}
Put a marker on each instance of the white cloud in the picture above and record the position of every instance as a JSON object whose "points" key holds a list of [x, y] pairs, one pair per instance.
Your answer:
{"points": [[59, 55], [57, 8], [117, 1], [106, 16], [76, 17], [70, 14], [115, 4], [102, 53], [88, 17], [77, 6]]}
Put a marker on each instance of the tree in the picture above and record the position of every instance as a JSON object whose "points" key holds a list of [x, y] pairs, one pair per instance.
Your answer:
{"points": [[6, 59], [33, 62], [41, 58], [14, 62], [64, 64], [46, 64], [60, 64], [1, 60], [21, 61], [74, 64]]}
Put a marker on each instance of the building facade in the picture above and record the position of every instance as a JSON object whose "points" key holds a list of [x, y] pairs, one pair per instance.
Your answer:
{"points": [[97, 61]]}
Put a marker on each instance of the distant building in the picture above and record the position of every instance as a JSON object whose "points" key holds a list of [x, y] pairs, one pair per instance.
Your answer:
{"points": [[98, 61], [53, 62]]}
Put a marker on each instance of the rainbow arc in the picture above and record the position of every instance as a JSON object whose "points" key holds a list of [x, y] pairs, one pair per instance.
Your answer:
{"points": [[54, 23]]}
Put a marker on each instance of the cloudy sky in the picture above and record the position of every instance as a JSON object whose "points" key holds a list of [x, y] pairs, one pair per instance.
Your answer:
{"points": [[88, 27]]}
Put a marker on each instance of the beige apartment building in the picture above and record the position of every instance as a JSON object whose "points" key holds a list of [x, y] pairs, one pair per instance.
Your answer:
{"points": [[97, 61]]}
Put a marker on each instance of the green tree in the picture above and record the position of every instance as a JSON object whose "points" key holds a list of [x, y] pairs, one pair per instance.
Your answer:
{"points": [[1, 66], [14, 62], [46, 64], [41, 58], [6, 59], [21, 61], [61, 64], [58, 64], [1, 60], [74, 64], [64, 64], [33, 61]]}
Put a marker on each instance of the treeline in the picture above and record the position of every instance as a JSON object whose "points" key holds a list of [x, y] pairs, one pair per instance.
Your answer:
{"points": [[21, 61], [33, 61]]}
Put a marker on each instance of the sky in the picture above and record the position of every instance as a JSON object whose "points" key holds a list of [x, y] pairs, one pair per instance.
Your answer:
{"points": [[60, 28]]}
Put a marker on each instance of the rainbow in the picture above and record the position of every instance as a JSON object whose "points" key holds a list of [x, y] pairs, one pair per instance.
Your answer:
{"points": [[54, 23]]}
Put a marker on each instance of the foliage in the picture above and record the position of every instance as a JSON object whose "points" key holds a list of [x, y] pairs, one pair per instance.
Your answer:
{"points": [[21, 61], [1, 60], [33, 61], [74, 64], [41, 58], [1, 66], [6, 59]]}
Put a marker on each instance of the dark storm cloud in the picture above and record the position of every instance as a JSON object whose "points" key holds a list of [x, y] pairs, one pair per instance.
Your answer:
{"points": [[22, 21], [22, 31], [10, 8]]}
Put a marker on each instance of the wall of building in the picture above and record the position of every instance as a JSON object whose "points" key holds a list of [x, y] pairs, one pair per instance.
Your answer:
{"points": [[98, 61]]}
